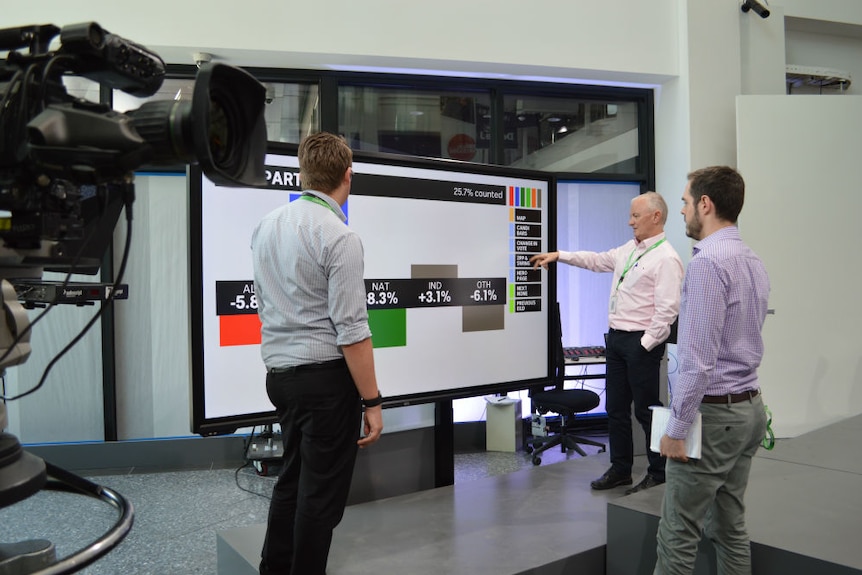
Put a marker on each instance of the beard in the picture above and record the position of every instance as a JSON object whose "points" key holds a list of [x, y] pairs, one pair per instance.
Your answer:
{"points": [[694, 227]]}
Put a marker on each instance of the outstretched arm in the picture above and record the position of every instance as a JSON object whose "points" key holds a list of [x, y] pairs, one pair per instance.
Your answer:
{"points": [[544, 259]]}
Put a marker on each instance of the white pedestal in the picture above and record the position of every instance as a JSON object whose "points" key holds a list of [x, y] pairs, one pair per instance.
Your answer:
{"points": [[503, 429]]}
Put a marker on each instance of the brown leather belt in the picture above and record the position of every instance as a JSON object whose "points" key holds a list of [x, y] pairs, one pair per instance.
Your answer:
{"points": [[731, 397]]}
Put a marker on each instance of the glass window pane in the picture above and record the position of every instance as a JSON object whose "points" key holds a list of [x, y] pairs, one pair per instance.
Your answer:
{"points": [[171, 89], [80, 87], [292, 111], [431, 123], [571, 135]]}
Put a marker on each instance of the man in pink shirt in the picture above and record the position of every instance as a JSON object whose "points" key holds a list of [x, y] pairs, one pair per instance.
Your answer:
{"points": [[644, 303]]}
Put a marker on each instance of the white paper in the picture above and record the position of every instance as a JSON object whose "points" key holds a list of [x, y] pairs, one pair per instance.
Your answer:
{"points": [[660, 418]]}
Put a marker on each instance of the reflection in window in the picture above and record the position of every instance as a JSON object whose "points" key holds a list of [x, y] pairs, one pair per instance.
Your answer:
{"points": [[172, 89], [437, 124], [570, 135], [80, 87], [292, 111]]}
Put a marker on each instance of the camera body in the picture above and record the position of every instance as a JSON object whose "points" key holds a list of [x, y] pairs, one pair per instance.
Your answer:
{"points": [[67, 167], [59, 154]]}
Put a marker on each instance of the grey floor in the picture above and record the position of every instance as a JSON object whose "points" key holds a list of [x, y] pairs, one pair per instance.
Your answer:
{"points": [[178, 514]]}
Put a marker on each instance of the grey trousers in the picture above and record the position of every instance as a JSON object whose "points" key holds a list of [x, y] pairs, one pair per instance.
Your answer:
{"points": [[705, 496]]}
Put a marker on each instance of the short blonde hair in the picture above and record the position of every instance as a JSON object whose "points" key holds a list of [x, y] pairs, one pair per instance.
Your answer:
{"points": [[323, 159]]}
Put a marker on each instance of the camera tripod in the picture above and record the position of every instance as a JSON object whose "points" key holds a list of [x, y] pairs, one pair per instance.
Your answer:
{"points": [[21, 475]]}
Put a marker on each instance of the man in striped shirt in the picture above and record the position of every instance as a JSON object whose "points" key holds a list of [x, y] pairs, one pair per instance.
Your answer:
{"points": [[723, 307], [316, 345]]}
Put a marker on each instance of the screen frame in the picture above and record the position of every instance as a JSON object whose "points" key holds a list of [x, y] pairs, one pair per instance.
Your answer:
{"points": [[203, 425]]}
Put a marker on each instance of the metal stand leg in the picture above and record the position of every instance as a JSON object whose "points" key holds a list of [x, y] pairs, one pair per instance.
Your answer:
{"points": [[37, 557]]}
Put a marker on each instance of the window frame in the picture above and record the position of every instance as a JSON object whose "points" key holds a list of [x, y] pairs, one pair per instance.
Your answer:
{"points": [[330, 82]]}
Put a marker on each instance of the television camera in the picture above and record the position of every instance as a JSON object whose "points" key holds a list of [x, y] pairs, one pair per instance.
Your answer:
{"points": [[67, 168]]}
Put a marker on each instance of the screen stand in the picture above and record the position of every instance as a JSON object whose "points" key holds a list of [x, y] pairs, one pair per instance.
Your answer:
{"points": [[444, 444]]}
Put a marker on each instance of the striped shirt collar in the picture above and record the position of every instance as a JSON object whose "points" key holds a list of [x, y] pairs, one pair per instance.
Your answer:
{"points": [[328, 199], [726, 233]]}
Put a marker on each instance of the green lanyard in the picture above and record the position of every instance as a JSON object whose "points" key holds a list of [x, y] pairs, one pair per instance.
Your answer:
{"points": [[630, 264], [320, 201]]}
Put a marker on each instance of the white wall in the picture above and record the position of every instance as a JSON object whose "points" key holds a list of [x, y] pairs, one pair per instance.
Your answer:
{"points": [[502, 37], [68, 406], [153, 352], [800, 160]]}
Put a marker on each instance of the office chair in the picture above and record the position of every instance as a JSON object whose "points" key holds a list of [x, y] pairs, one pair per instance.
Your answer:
{"points": [[565, 402]]}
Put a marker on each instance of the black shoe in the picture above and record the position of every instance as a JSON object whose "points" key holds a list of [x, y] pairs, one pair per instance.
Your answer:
{"points": [[646, 483], [610, 480]]}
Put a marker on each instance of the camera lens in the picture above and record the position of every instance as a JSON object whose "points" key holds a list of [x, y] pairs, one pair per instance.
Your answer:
{"points": [[219, 133], [165, 126], [225, 132], [222, 128], [228, 104]]}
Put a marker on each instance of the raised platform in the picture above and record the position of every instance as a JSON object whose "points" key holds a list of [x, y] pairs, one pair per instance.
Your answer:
{"points": [[539, 521], [803, 511], [804, 516]]}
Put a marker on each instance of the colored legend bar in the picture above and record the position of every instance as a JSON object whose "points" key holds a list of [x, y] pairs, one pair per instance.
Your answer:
{"points": [[525, 233], [523, 197]]}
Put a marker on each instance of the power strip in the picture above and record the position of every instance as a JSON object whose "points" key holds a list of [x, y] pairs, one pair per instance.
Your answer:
{"points": [[264, 448]]}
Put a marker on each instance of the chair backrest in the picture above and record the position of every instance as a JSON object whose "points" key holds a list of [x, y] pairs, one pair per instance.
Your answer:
{"points": [[556, 346], [559, 357]]}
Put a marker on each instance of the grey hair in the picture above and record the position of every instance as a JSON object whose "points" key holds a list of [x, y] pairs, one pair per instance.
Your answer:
{"points": [[655, 202]]}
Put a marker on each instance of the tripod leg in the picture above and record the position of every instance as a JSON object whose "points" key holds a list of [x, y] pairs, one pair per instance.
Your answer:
{"points": [[26, 557]]}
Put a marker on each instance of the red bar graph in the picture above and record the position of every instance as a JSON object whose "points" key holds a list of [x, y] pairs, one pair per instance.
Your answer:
{"points": [[241, 329]]}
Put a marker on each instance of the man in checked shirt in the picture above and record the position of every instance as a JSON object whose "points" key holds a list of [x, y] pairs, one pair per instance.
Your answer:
{"points": [[723, 307]]}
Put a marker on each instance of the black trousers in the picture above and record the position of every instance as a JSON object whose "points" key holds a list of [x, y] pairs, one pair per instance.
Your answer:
{"points": [[632, 376], [320, 413]]}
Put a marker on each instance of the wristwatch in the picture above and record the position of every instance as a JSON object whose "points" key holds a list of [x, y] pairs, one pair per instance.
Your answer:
{"points": [[373, 402]]}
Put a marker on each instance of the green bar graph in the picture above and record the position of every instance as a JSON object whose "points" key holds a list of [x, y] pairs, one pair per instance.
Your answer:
{"points": [[388, 327]]}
